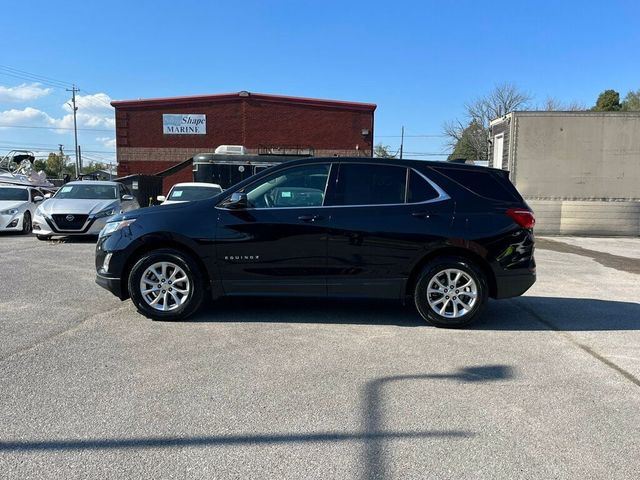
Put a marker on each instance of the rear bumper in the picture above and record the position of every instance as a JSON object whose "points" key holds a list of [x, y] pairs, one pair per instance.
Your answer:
{"points": [[514, 285], [114, 285]]}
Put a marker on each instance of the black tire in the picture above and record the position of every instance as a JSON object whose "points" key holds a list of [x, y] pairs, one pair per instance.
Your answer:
{"points": [[436, 268], [195, 280], [26, 223], [43, 237]]}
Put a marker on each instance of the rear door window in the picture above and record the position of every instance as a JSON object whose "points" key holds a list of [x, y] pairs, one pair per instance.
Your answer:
{"points": [[369, 184], [419, 189]]}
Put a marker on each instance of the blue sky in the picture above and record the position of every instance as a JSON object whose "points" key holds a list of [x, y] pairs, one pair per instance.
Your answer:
{"points": [[419, 61]]}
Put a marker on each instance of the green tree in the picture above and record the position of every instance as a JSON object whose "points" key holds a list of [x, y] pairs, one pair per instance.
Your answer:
{"points": [[631, 102], [382, 151], [471, 144], [55, 165], [608, 101]]}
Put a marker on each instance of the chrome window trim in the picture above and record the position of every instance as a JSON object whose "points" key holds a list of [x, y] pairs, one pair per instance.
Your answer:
{"points": [[442, 195]]}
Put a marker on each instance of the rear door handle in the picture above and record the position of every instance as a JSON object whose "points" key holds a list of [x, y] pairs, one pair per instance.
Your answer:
{"points": [[421, 214], [310, 218]]}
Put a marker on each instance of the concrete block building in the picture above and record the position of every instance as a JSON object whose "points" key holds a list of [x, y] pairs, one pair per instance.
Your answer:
{"points": [[579, 171]]}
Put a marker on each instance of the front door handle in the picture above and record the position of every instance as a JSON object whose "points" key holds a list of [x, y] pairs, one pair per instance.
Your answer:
{"points": [[310, 218], [421, 214]]}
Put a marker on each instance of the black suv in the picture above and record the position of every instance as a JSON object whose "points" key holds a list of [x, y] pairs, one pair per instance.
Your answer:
{"points": [[448, 235]]}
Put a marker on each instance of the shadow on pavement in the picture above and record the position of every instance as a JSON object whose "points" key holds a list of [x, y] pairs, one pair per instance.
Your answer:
{"points": [[309, 310], [553, 313], [520, 313], [373, 434]]}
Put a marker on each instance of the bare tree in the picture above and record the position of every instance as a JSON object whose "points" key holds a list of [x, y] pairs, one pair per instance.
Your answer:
{"points": [[472, 134], [552, 104]]}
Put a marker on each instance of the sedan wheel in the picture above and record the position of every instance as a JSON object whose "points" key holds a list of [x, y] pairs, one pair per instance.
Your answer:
{"points": [[26, 223]]}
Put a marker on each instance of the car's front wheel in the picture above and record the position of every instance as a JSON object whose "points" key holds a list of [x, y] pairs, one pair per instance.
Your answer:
{"points": [[166, 284], [450, 292], [26, 223]]}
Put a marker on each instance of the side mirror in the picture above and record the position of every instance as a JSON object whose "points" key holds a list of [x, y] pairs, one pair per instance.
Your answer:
{"points": [[161, 198], [38, 198], [47, 195], [127, 198], [237, 200]]}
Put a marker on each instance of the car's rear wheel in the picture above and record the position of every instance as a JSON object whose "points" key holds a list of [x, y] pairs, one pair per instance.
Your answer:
{"points": [[26, 223], [450, 292], [166, 285]]}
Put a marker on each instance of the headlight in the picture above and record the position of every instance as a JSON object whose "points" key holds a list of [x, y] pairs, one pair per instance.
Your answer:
{"points": [[105, 213], [111, 227], [40, 212], [11, 211]]}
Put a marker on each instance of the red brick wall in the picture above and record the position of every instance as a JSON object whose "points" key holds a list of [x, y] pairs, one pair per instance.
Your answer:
{"points": [[330, 129], [249, 122]]}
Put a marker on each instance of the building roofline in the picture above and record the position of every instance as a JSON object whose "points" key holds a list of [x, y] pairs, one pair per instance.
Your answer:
{"points": [[318, 102], [562, 113]]}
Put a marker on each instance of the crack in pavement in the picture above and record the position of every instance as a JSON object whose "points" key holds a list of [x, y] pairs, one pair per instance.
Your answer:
{"points": [[60, 333], [585, 348]]}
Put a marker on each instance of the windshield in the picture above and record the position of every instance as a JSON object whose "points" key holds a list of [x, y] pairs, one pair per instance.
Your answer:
{"points": [[186, 194], [88, 191], [14, 194]]}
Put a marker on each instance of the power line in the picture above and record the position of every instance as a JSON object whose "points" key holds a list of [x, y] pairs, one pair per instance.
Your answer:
{"points": [[57, 128]]}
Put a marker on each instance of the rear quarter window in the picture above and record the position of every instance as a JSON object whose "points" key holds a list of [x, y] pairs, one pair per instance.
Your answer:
{"points": [[484, 183]]}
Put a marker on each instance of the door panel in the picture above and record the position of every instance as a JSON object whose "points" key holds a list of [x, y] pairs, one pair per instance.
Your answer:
{"points": [[278, 243], [371, 249], [264, 251], [373, 246]]}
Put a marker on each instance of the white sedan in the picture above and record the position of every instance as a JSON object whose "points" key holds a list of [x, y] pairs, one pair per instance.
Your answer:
{"points": [[17, 207], [190, 191]]}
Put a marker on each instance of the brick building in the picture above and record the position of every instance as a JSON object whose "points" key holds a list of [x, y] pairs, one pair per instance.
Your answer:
{"points": [[153, 135]]}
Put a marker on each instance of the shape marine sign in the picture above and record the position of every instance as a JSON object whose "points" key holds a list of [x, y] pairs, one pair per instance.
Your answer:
{"points": [[184, 124]]}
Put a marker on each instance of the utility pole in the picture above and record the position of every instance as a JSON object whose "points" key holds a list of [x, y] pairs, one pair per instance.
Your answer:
{"points": [[79, 159], [61, 160], [401, 142], [73, 91]]}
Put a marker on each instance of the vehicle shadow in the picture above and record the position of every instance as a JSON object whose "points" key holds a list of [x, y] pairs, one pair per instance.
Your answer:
{"points": [[75, 239], [555, 313], [520, 313], [308, 310]]}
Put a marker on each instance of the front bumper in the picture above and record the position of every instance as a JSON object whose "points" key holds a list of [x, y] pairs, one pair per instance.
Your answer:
{"points": [[14, 220], [114, 285], [46, 226]]}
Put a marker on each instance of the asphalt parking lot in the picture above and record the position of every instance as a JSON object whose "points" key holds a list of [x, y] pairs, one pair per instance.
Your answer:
{"points": [[543, 386]]}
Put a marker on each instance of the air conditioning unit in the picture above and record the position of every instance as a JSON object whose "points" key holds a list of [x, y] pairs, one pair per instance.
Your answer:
{"points": [[231, 150]]}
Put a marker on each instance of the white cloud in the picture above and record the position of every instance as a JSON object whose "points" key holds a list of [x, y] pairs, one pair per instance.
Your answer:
{"points": [[27, 116], [23, 93], [108, 142], [94, 111]]}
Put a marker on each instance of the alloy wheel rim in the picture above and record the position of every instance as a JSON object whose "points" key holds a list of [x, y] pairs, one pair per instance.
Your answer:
{"points": [[165, 286], [452, 293]]}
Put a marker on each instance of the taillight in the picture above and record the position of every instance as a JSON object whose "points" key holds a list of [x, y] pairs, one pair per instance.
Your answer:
{"points": [[522, 217]]}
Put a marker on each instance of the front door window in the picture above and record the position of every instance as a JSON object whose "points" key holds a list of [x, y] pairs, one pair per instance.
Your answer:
{"points": [[297, 187]]}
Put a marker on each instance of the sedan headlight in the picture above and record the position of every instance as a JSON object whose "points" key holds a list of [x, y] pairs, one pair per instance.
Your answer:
{"points": [[112, 227], [105, 213], [11, 211], [40, 211]]}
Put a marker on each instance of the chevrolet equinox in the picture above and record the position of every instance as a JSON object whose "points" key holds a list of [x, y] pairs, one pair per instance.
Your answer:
{"points": [[445, 235]]}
